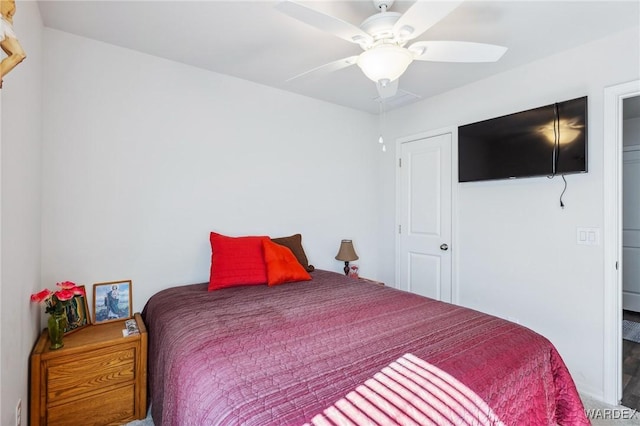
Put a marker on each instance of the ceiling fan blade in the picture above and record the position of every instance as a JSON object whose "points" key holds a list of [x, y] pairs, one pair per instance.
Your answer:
{"points": [[421, 16], [389, 90], [456, 51], [324, 22], [328, 68]]}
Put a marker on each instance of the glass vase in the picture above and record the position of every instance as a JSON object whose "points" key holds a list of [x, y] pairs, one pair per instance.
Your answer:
{"points": [[57, 324]]}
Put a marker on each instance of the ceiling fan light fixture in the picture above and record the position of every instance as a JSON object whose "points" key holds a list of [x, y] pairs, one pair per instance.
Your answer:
{"points": [[384, 62]]}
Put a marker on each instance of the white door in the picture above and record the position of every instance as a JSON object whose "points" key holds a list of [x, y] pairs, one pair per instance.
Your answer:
{"points": [[424, 258], [631, 229]]}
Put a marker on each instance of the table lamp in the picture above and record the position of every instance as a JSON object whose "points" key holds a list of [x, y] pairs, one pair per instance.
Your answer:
{"points": [[346, 253]]}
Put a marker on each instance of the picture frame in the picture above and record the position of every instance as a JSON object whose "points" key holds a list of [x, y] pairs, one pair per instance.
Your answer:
{"points": [[112, 301], [77, 313]]}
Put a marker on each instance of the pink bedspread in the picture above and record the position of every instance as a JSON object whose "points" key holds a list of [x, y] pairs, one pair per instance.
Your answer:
{"points": [[282, 355], [409, 392]]}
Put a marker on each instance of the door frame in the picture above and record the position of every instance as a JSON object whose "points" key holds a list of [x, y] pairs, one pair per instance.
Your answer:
{"points": [[453, 131], [630, 156], [612, 173]]}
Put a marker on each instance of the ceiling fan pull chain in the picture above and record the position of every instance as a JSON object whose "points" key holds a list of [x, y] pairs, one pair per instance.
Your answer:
{"points": [[381, 117]]}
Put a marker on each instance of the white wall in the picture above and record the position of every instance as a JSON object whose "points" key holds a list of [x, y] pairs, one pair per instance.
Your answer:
{"points": [[144, 157], [20, 122], [516, 248]]}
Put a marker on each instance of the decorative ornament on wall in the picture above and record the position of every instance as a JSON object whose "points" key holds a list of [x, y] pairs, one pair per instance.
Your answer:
{"points": [[8, 39]]}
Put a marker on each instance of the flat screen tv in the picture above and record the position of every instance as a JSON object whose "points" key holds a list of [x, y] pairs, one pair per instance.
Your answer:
{"points": [[546, 141]]}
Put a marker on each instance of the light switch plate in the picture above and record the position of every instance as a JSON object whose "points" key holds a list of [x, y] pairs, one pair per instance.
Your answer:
{"points": [[588, 236]]}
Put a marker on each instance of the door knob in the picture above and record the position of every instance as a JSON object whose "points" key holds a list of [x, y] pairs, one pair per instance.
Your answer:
{"points": [[444, 247]]}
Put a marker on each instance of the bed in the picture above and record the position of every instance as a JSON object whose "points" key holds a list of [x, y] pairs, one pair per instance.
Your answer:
{"points": [[298, 353]]}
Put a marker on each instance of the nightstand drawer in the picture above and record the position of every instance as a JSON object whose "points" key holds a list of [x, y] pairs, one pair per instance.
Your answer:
{"points": [[90, 372], [102, 409]]}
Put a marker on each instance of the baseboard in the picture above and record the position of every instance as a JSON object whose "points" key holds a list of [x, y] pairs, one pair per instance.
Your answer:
{"points": [[631, 301], [591, 392]]}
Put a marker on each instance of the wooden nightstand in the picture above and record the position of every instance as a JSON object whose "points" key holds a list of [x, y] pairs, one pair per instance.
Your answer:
{"points": [[99, 377]]}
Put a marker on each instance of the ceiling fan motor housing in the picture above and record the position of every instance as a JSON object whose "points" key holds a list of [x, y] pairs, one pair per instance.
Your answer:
{"points": [[380, 25]]}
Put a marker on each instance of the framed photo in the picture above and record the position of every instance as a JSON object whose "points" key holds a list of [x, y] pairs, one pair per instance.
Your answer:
{"points": [[111, 301], [353, 271], [77, 313]]}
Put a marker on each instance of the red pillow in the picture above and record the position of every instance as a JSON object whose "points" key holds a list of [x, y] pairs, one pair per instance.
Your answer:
{"points": [[282, 265], [236, 261]]}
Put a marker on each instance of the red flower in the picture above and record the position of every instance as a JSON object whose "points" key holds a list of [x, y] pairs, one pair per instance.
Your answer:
{"points": [[66, 284], [56, 301], [64, 294], [41, 296]]}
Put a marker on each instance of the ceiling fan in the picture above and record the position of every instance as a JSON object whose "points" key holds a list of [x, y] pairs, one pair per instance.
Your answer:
{"points": [[383, 37]]}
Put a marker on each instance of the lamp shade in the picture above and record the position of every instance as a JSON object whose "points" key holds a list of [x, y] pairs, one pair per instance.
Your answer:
{"points": [[346, 252], [384, 62]]}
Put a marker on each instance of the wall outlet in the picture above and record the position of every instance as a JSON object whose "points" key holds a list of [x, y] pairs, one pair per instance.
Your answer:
{"points": [[19, 413]]}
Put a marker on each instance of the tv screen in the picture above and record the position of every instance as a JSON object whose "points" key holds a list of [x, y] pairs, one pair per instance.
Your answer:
{"points": [[524, 144]]}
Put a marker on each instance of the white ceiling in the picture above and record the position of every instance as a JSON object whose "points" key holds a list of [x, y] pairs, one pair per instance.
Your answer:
{"points": [[254, 41]]}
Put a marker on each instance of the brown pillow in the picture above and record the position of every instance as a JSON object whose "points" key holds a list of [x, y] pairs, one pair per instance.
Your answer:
{"points": [[294, 243]]}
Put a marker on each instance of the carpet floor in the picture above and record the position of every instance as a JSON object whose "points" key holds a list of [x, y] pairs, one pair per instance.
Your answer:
{"points": [[148, 421], [602, 414]]}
